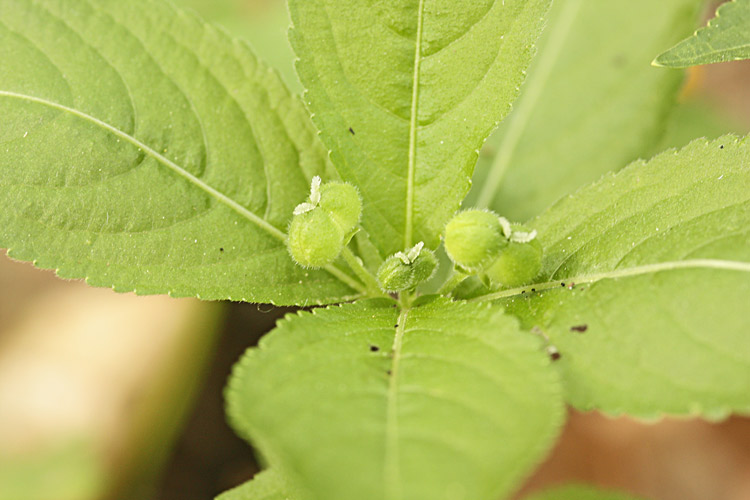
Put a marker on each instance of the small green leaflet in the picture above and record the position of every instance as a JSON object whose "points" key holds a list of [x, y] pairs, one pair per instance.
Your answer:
{"points": [[580, 492], [405, 92], [365, 401], [145, 151], [266, 485], [658, 259], [726, 38], [591, 104]]}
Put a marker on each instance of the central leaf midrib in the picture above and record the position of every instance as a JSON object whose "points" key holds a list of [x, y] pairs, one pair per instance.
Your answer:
{"points": [[413, 122], [720, 264], [218, 195], [391, 471]]}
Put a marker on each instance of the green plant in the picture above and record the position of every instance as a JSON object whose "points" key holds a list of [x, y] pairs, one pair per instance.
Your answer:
{"points": [[146, 151]]}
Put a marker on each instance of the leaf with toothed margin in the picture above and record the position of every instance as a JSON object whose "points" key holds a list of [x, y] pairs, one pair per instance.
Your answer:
{"points": [[369, 402], [726, 38], [145, 150], [405, 92], [580, 492], [658, 259]]}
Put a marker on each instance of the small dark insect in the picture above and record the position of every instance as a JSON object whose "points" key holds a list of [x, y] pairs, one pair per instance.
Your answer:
{"points": [[388, 372], [554, 354], [562, 284], [533, 289], [351, 130], [523, 291], [579, 328], [374, 348], [721, 147], [221, 249], [395, 326]]}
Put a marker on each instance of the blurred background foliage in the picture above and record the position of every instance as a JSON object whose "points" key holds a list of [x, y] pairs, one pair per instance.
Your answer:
{"points": [[107, 396]]}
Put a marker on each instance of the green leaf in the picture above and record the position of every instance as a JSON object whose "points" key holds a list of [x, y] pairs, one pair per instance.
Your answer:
{"points": [[726, 38], [405, 92], [591, 104], [363, 401], [266, 485], [144, 150], [658, 257], [580, 492]]}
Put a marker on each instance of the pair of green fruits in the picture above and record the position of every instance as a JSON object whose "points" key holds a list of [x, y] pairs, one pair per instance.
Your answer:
{"points": [[477, 241]]}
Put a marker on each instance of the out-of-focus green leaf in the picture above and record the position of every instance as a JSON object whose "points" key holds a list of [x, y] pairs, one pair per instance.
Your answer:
{"points": [[580, 492], [592, 102]]}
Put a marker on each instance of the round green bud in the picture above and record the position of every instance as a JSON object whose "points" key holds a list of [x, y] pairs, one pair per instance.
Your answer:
{"points": [[406, 270], [473, 239], [343, 204], [518, 263], [315, 240]]}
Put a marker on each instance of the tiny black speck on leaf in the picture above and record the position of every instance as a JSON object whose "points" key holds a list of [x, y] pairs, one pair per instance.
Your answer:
{"points": [[221, 249], [533, 289], [555, 356], [351, 130], [388, 372], [579, 328], [374, 348], [562, 284], [721, 147]]}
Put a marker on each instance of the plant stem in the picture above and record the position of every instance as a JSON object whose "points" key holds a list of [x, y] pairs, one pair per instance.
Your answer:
{"points": [[362, 273], [452, 282]]}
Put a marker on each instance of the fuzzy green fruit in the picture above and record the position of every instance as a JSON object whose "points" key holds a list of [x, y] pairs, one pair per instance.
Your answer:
{"points": [[343, 204], [517, 264], [404, 271], [473, 239], [315, 240]]}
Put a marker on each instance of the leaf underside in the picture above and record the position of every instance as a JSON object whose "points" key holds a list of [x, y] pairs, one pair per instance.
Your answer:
{"points": [[146, 151], [445, 397], [726, 38], [591, 104], [658, 259], [405, 93]]}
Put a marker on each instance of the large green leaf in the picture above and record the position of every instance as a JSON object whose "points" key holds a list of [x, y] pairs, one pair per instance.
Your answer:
{"points": [[146, 151], [405, 93], [580, 492], [660, 256], [591, 104], [726, 38], [267, 485], [363, 401]]}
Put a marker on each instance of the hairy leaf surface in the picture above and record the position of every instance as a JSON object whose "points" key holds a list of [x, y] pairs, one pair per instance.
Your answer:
{"points": [[363, 401], [144, 150], [726, 38], [587, 107], [405, 93], [580, 492], [658, 257]]}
